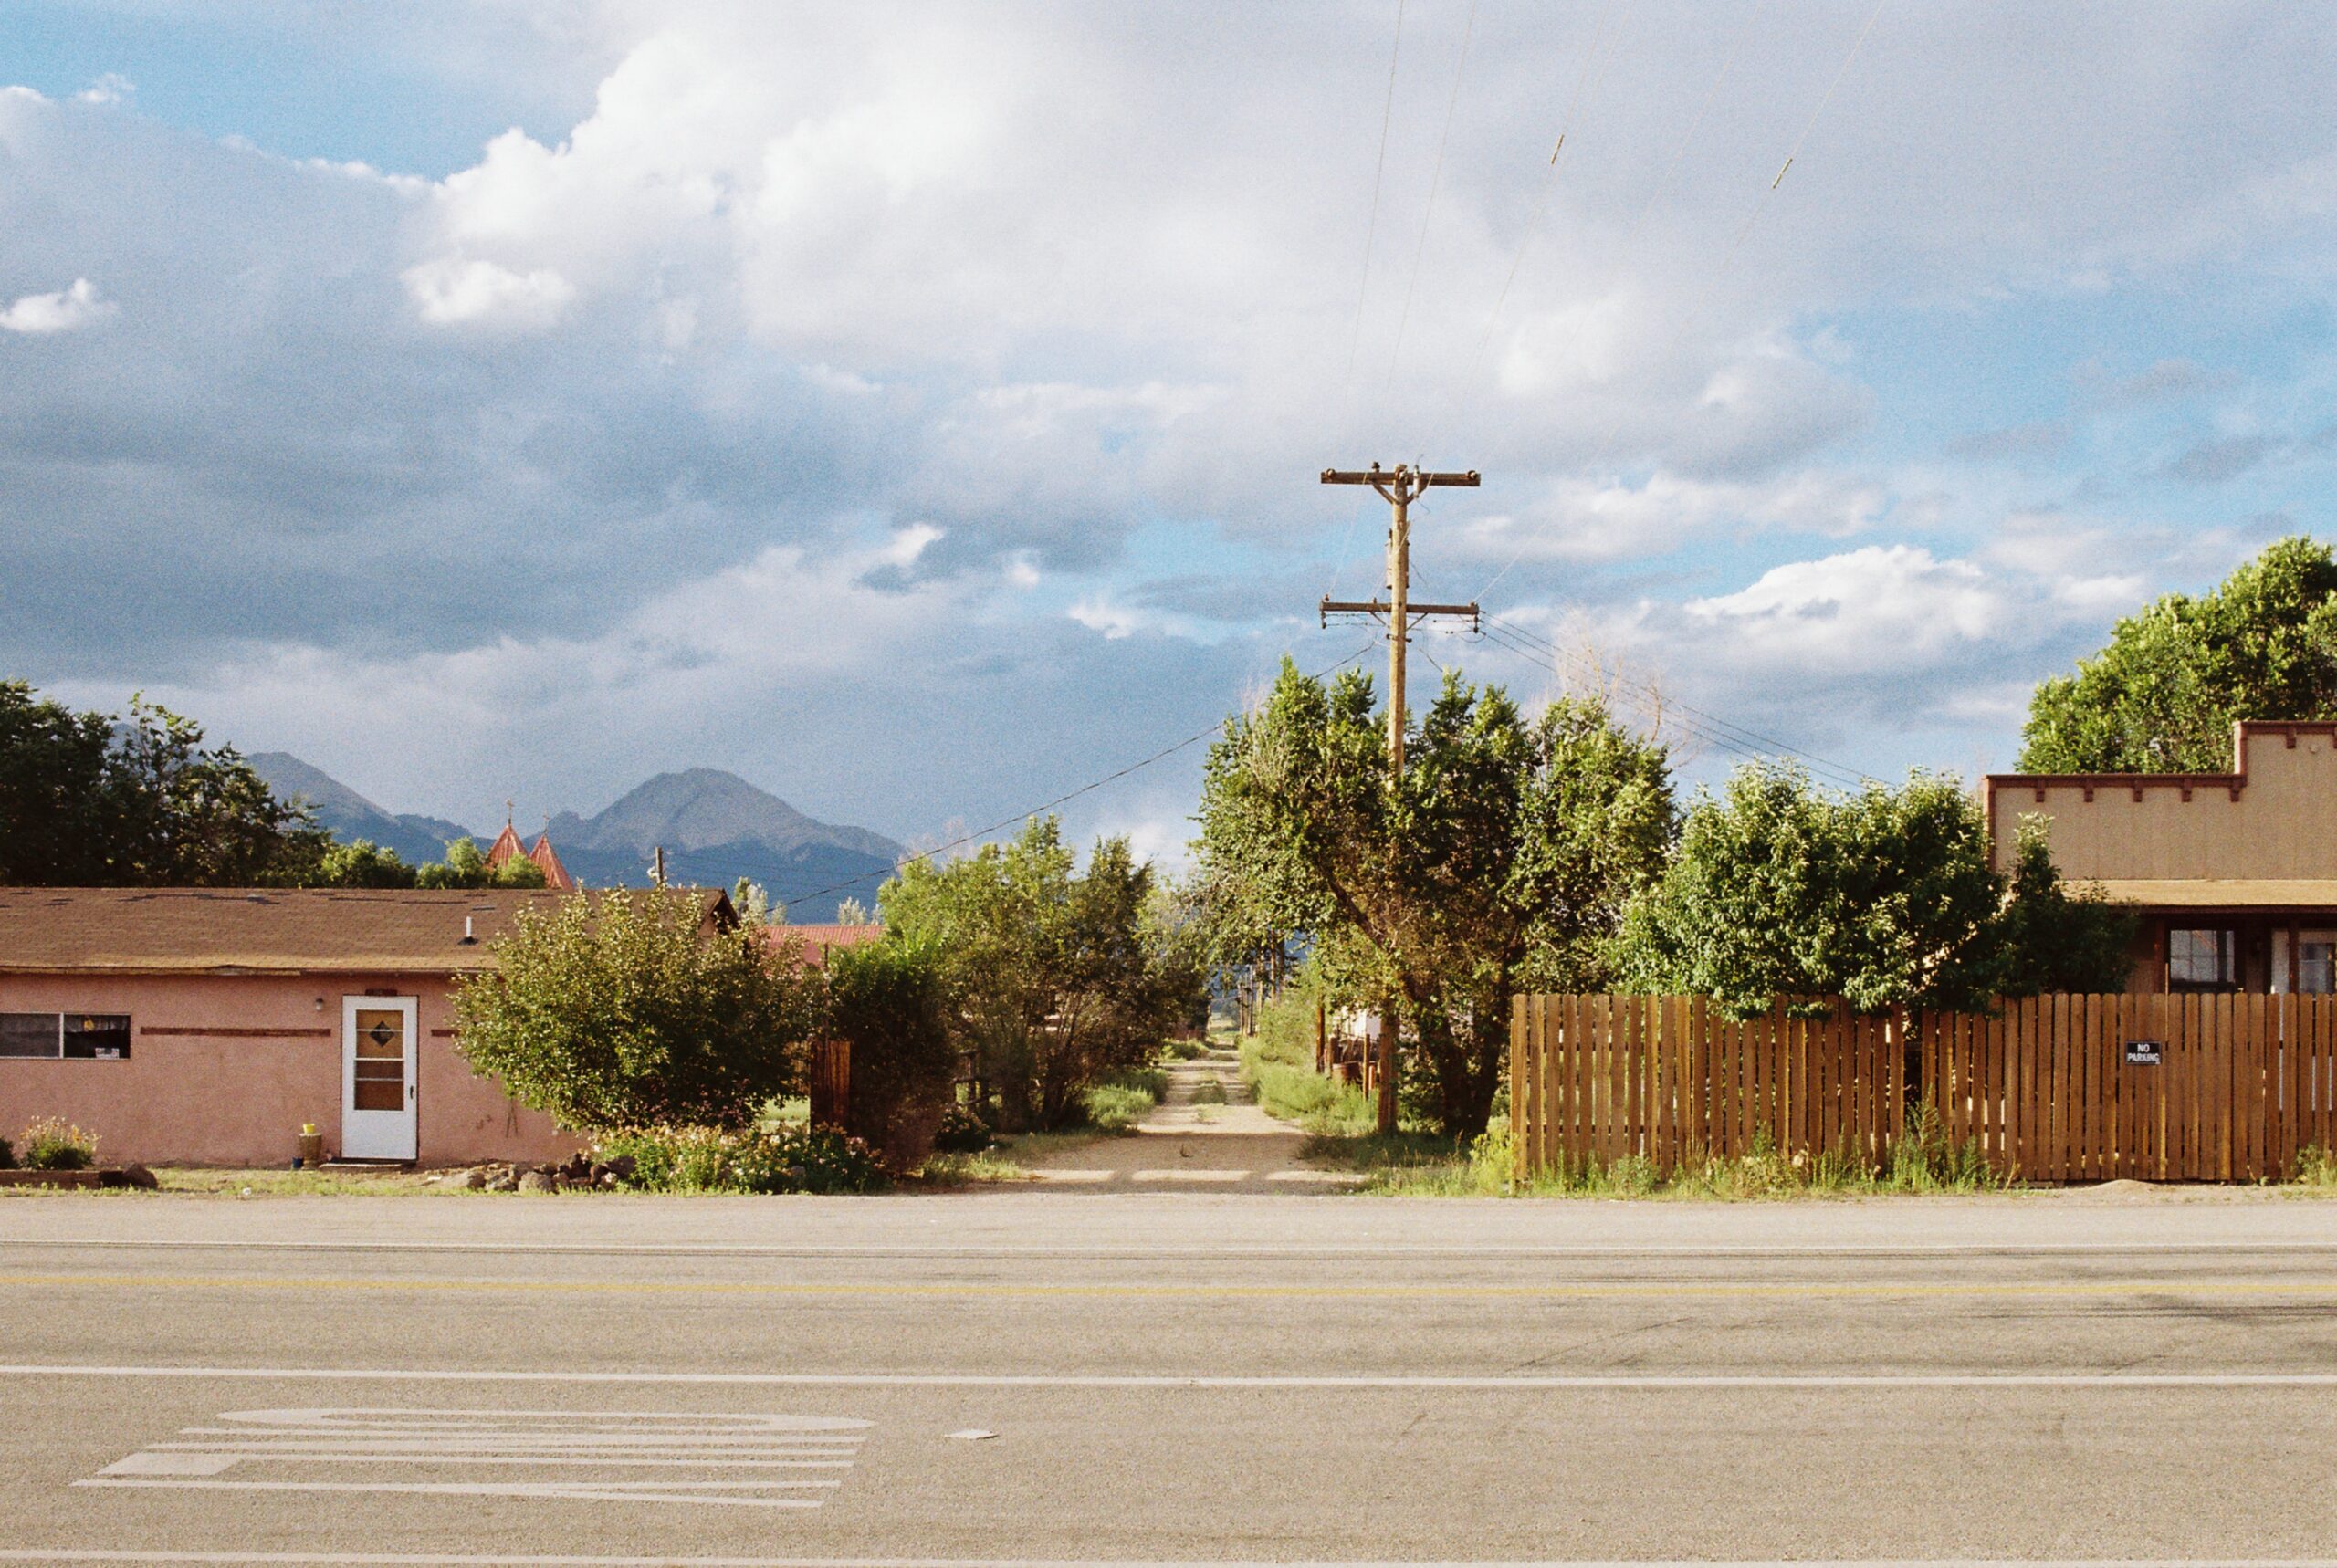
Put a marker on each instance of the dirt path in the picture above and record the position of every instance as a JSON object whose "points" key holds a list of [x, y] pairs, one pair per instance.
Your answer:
{"points": [[1205, 1136]]}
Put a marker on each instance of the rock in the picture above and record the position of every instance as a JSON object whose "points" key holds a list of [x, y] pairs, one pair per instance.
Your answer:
{"points": [[113, 1178], [140, 1176], [621, 1167], [609, 1181], [476, 1178], [538, 1181]]}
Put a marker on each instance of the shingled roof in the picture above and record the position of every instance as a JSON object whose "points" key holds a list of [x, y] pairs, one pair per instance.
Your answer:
{"points": [[178, 930]]}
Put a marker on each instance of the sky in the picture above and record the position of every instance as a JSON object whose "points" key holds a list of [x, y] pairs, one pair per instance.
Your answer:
{"points": [[917, 409]]}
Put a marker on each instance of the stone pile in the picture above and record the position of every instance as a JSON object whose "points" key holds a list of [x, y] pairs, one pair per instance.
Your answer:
{"points": [[580, 1173]]}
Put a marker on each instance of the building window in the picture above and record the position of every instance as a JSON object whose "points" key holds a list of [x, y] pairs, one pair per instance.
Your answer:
{"points": [[2202, 960], [2316, 963], [86, 1036]]}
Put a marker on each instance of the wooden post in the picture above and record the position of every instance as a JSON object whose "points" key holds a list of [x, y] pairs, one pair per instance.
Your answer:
{"points": [[1322, 1033], [1398, 487]]}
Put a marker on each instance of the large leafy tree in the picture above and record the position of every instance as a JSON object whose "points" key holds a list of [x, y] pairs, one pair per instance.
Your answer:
{"points": [[1503, 858], [91, 799], [1886, 898], [617, 1010], [2162, 696], [1055, 975]]}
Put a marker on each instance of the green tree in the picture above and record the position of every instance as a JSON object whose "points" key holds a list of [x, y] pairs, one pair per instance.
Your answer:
{"points": [[1505, 857], [1885, 899], [465, 867], [360, 863], [1055, 977], [65, 819], [2163, 696], [95, 800], [618, 1009]]}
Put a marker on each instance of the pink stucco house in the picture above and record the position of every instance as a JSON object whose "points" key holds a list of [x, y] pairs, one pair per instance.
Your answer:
{"points": [[204, 1025]]}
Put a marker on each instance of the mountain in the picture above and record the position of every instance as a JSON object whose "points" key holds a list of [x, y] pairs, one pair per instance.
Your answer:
{"points": [[349, 815], [705, 808], [715, 827]]}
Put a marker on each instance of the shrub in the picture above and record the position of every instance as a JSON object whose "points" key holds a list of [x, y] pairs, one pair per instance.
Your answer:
{"points": [[617, 1010], [770, 1158], [52, 1144], [888, 1001], [961, 1133], [1183, 1050], [1125, 1098]]}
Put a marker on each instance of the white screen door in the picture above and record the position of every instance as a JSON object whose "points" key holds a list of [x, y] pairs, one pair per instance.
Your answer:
{"points": [[378, 1088]]}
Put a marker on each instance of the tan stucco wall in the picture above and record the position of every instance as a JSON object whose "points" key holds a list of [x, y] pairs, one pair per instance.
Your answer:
{"points": [[2282, 824], [185, 1099]]}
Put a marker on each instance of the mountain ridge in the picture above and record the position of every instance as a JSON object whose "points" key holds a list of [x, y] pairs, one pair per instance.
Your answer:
{"points": [[714, 826]]}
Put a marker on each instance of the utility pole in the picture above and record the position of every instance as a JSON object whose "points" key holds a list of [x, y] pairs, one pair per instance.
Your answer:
{"points": [[1400, 486]]}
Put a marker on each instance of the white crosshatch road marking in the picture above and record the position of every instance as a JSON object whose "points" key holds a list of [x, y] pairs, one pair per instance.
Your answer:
{"points": [[721, 1459]]}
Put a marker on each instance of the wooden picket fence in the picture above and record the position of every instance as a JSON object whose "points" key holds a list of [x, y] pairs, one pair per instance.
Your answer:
{"points": [[2058, 1088]]}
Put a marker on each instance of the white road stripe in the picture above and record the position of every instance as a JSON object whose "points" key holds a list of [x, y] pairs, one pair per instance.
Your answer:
{"points": [[550, 1492], [457, 1560], [1494, 1382], [1369, 1251]]}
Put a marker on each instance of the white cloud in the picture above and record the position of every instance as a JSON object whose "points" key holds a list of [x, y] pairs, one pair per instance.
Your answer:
{"points": [[450, 291], [63, 312], [1871, 608], [1581, 519]]}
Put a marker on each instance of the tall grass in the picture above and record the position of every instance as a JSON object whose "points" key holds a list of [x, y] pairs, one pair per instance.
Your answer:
{"points": [[1924, 1160], [1125, 1098], [1278, 1063]]}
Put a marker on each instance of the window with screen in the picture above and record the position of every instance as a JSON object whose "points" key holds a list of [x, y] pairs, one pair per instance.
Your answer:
{"points": [[86, 1037], [29, 1034], [2205, 960]]}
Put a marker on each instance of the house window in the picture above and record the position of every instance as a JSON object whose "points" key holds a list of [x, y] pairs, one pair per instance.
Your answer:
{"points": [[2202, 960], [2316, 963], [86, 1036]]}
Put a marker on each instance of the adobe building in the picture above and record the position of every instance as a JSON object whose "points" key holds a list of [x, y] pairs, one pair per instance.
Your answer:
{"points": [[205, 1026], [2234, 874]]}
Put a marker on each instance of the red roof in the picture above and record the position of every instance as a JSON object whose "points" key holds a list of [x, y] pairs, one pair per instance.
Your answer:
{"points": [[506, 847], [555, 875], [817, 941]]}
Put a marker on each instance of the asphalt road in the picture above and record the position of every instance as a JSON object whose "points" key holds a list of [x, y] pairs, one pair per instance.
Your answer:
{"points": [[1165, 1377]]}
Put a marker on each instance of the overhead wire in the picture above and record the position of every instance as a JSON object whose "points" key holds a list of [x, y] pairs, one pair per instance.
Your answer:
{"points": [[1549, 184], [1728, 258], [1724, 734], [978, 834], [1655, 191], [1435, 184], [1362, 289]]}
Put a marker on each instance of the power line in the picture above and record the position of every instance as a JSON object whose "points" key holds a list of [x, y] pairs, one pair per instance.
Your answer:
{"points": [[1371, 229], [981, 833], [1726, 734], [1435, 181], [1655, 192], [1362, 289], [1728, 258], [1549, 185]]}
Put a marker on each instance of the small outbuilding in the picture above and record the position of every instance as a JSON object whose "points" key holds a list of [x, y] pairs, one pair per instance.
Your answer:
{"points": [[205, 1025]]}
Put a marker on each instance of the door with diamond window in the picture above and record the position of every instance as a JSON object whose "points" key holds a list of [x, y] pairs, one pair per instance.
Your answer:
{"points": [[378, 1087]]}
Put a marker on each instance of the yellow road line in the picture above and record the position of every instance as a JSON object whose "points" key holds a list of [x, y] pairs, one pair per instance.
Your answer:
{"points": [[1666, 1290]]}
